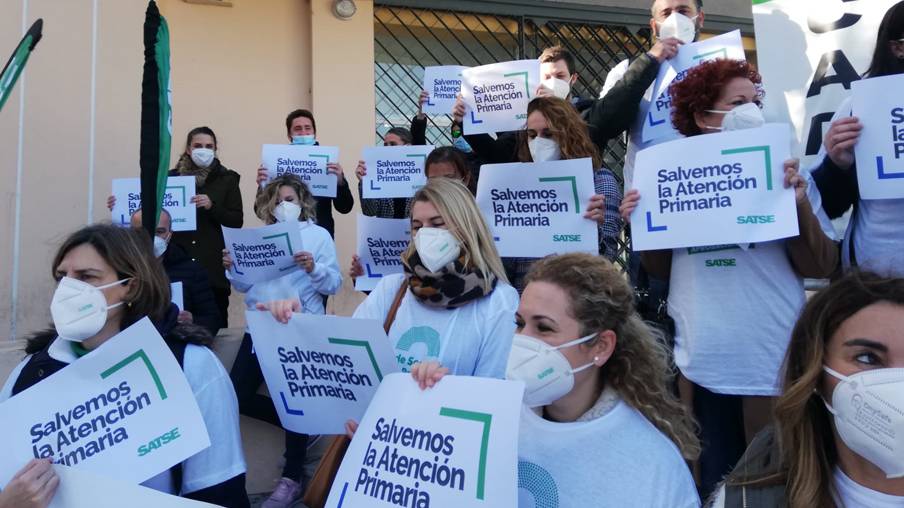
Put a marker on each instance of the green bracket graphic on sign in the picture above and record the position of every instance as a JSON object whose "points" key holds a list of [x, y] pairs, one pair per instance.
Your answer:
{"points": [[487, 420], [524, 74], [574, 188], [366, 346], [138, 355], [767, 153]]}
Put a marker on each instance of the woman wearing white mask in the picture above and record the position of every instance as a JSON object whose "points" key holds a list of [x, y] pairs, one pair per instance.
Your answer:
{"points": [[285, 199], [838, 438], [729, 350], [599, 425], [108, 279]]}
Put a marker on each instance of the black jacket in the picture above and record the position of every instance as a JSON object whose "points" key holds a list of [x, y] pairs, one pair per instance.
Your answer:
{"points": [[196, 294], [205, 244], [837, 187]]}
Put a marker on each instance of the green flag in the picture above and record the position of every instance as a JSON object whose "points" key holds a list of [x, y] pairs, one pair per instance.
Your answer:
{"points": [[16, 62], [156, 116]]}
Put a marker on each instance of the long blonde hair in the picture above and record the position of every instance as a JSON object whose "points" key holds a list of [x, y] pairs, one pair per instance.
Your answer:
{"points": [[457, 206], [803, 424], [267, 199], [601, 299]]}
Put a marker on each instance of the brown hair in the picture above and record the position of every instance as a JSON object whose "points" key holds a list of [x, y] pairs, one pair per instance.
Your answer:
{"points": [[453, 156], [639, 369], [267, 198], [131, 253], [298, 113], [556, 53], [701, 88], [568, 129], [803, 424]]}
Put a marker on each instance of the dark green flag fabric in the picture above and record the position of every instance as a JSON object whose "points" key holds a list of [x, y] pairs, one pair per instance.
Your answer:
{"points": [[16, 62], [156, 116]]}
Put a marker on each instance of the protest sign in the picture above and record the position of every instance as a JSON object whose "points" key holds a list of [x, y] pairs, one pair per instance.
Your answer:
{"points": [[658, 121], [496, 95], [381, 243], [438, 447], [321, 370], [713, 189], [176, 295], [124, 410], [82, 489], [809, 52], [264, 253], [879, 105], [394, 171], [537, 209], [176, 201], [306, 162], [443, 83]]}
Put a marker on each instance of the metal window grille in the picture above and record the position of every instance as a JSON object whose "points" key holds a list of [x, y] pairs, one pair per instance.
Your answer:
{"points": [[408, 39]]}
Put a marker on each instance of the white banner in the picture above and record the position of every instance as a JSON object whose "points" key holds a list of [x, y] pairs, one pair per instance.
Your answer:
{"points": [[176, 201], [321, 370], [879, 104], [381, 243], [306, 162], [496, 95], [124, 410], [176, 295], [443, 83], [537, 209], [809, 52], [658, 120], [445, 446], [394, 171], [81, 489], [263, 253], [714, 189]]}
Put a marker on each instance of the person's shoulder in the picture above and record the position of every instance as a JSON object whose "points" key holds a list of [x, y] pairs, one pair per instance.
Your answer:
{"points": [[503, 298], [317, 231], [202, 366], [389, 283]]}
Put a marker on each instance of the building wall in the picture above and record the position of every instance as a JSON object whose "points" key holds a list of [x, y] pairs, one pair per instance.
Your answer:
{"points": [[236, 69]]}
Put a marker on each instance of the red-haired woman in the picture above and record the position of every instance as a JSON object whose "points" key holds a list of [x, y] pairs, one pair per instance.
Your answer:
{"points": [[733, 321]]}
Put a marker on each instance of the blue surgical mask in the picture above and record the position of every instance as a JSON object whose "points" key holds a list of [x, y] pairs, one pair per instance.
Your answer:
{"points": [[308, 139], [462, 145]]}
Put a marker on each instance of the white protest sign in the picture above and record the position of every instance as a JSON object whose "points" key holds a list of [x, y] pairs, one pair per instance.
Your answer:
{"points": [[81, 489], [307, 162], [176, 295], [124, 410], [714, 189], [879, 105], [537, 209], [176, 201], [321, 370], [264, 253], [658, 120], [381, 243], [394, 171], [809, 52], [442, 83], [445, 446], [496, 95]]}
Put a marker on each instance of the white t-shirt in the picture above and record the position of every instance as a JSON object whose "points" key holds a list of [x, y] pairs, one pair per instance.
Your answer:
{"points": [[325, 279], [878, 238], [851, 494], [213, 390], [471, 340], [617, 460], [734, 310]]}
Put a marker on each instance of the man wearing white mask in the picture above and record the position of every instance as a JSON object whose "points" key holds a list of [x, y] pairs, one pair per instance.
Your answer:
{"points": [[198, 303]]}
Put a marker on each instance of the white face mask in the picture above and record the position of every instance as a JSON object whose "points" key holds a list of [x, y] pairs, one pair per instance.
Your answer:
{"points": [[546, 373], [544, 149], [745, 116], [869, 415], [436, 247], [680, 27], [79, 310], [286, 211], [560, 88], [160, 246], [202, 157]]}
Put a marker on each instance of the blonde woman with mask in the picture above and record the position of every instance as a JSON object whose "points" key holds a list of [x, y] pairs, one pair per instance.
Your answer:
{"points": [[601, 426], [285, 199]]}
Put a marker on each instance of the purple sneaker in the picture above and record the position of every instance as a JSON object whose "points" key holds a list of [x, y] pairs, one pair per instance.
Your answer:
{"points": [[287, 492]]}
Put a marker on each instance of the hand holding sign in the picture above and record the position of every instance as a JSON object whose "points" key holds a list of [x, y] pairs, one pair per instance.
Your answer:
{"points": [[179, 200], [441, 85], [497, 95], [880, 151], [315, 165], [259, 254]]}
